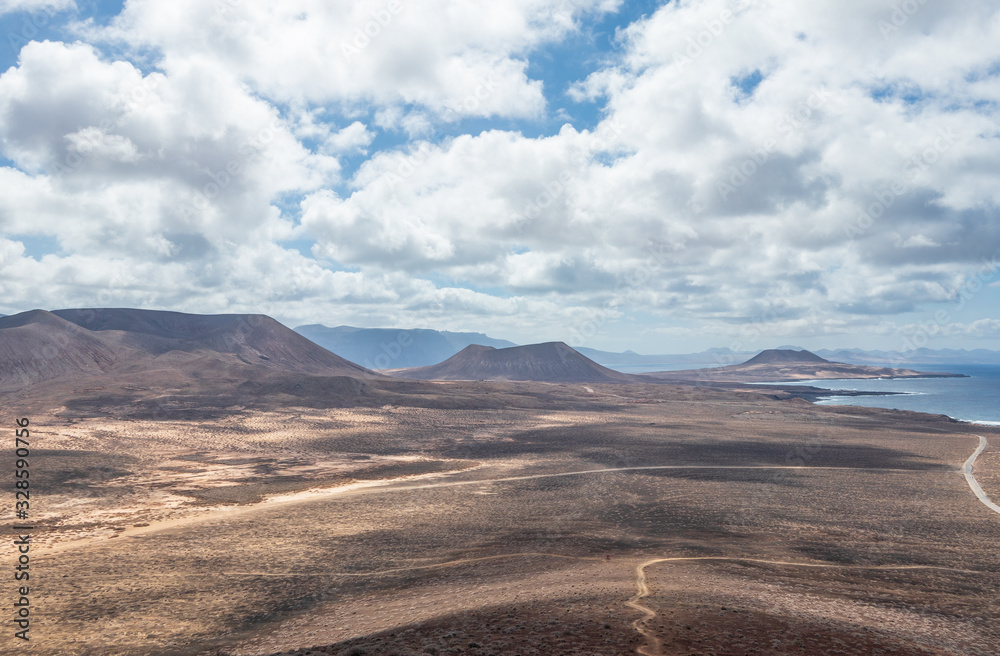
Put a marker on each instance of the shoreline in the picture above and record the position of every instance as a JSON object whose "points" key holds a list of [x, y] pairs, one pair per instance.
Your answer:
{"points": [[977, 422]]}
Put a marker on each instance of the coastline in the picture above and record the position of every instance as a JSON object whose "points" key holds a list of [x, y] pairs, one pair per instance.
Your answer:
{"points": [[971, 400]]}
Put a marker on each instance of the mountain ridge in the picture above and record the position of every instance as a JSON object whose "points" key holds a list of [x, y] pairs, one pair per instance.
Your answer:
{"points": [[385, 348], [39, 345]]}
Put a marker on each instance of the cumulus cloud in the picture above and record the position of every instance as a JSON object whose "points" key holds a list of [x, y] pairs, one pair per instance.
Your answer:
{"points": [[47, 6], [107, 156], [455, 58], [801, 169]]}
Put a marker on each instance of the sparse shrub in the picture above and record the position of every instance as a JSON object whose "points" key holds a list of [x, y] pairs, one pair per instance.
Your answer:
{"points": [[353, 651]]}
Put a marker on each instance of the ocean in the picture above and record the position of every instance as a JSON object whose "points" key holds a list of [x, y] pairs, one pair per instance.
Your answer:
{"points": [[975, 399]]}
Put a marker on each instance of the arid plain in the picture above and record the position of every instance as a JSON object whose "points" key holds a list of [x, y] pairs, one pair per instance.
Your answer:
{"points": [[514, 518]]}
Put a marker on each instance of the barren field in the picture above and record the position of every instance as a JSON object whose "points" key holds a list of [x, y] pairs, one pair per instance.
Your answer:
{"points": [[632, 519]]}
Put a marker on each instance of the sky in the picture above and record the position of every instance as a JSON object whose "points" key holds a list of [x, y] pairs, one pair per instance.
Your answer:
{"points": [[657, 176]]}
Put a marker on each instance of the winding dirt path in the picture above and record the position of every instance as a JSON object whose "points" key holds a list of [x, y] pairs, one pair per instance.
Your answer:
{"points": [[968, 468], [392, 485], [654, 646], [449, 563]]}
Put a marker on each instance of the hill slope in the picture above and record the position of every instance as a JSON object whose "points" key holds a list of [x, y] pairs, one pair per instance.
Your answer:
{"points": [[71, 345], [252, 338], [384, 348], [553, 362], [785, 356], [38, 345]]}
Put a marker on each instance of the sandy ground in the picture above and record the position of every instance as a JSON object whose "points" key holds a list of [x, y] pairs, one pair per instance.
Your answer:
{"points": [[358, 531]]}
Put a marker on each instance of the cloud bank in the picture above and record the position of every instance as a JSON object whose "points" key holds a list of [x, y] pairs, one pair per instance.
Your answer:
{"points": [[757, 169]]}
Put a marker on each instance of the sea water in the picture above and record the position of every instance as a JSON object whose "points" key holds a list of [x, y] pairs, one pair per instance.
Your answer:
{"points": [[975, 399]]}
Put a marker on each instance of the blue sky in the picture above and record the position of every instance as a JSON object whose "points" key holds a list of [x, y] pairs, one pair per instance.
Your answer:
{"points": [[662, 177]]}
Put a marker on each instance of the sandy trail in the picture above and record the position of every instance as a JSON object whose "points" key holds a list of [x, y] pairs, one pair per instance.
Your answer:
{"points": [[654, 647], [450, 563], [236, 511], [968, 468], [389, 485]]}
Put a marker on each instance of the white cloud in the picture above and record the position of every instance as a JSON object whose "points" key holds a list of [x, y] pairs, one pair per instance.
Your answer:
{"points": [[919, 241], [113, 156], [355, 137], [803, 158], [452, 57], [781, 164], [48, 7], [981, 328]]}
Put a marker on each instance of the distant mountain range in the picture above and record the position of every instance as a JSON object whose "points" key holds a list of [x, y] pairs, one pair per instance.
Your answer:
{"points": [[393, 348], [723, 356], [558, 363], [780, 365], [397, 348], [552, 362], [118, 358], [715, 356], [916, 356]]}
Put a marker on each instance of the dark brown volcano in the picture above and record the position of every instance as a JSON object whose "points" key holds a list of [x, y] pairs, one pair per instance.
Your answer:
{"points": [[70, 345], [37, 345], [252, 338], [785, 356], [553, 362]]}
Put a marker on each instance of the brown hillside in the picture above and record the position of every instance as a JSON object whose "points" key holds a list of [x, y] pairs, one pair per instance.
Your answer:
{"points": [[550, 362], [71, 345]]}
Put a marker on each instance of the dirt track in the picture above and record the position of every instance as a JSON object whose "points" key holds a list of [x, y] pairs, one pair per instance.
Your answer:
{"points": [[968, 468]]}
